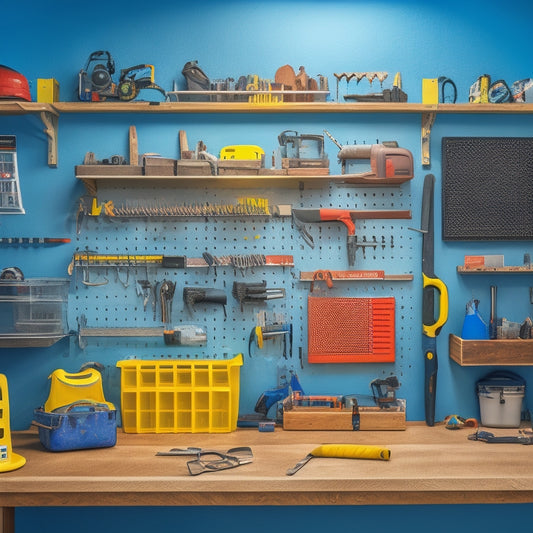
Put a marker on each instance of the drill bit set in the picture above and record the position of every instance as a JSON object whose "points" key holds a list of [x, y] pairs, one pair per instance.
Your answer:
{"points": [[244, 207]]}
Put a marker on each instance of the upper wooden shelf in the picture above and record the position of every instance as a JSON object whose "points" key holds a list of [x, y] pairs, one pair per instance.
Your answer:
{"points": [[295, 107], [12, 107], [50, 112]]}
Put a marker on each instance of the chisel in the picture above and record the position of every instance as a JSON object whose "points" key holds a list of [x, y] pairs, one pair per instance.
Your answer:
{"points": [[343, 451]]}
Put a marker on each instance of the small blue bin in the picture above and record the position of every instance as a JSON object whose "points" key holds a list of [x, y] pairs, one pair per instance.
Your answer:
{"points": [[76, 431]]}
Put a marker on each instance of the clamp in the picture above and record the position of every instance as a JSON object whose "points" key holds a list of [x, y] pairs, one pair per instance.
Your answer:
{"points": [[322, 275]]}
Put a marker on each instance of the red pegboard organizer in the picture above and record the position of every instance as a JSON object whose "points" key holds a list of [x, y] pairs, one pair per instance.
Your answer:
{"points": [[350, 330]]}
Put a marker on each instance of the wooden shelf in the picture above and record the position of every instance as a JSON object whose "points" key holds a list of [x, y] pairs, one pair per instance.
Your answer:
{"points": [[25, 340], [499, 352], [49, 113], [300, 181], [289, 107], [496, 270], [371, 276]]}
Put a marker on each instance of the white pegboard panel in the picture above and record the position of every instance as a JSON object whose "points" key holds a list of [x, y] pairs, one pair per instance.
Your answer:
{"points": [[118, 304]]}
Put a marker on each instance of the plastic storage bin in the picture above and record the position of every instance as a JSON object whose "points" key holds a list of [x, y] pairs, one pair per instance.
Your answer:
{"points": [[60, 432], [500, 396], [33, 312], [180, 396]]}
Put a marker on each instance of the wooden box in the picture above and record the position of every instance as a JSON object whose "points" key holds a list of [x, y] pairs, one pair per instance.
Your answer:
{"points": [[239, 167], [293, 162], [515, 352], [193, 167], [159, 166], [324, 418]]}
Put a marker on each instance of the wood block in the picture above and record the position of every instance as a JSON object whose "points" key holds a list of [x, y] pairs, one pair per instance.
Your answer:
{"points": [[239, 167], [293, 162], [108, 170], [159, 166], [193, 167]]}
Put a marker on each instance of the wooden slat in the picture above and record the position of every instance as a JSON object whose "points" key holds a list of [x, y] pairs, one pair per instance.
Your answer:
{"points": [[7, 520]]}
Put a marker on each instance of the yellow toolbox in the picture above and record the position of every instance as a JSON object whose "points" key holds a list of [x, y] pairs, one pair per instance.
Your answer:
{"points": [[47, 90], [242, 151], [180, 396]]}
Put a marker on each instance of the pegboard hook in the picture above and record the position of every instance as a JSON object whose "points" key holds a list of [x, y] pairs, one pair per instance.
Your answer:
{"points": [[88, 283], [125, 283]]}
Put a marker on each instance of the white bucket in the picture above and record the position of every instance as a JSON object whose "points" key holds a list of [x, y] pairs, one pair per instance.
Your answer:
{"points": [[500, 407]]}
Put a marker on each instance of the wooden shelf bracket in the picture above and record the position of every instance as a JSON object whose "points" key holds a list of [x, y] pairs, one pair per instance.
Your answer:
{"points": [[51, 121], [428, 119]]}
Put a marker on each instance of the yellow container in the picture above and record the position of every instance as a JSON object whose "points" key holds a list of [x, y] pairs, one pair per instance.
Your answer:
{"points": [[47, 90], [430, 91], [242, 152], [180, 396], [67, 388]]}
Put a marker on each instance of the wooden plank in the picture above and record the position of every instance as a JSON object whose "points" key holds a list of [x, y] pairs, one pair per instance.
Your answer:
{"points": [[134, 147], [7, 520], [108, 170], [269, 108]]}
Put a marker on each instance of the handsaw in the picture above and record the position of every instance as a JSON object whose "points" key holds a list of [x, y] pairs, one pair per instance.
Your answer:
{"points": [[430, 326]]}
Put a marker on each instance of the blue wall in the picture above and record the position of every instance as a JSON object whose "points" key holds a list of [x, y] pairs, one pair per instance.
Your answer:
{"points": [[419, 39]]}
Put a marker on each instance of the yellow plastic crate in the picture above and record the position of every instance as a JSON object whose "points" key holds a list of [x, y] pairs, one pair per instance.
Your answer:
{"points": [[180, 396]]}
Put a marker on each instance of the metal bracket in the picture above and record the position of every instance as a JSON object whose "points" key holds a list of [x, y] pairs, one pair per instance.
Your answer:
{"points": [[428, 120]]}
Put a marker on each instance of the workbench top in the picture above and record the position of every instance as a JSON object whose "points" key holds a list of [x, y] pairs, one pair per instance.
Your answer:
{"points": [[427, 465]]}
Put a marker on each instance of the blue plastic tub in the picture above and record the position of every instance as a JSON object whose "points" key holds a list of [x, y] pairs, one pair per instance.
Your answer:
{"points": [[76, 431]]}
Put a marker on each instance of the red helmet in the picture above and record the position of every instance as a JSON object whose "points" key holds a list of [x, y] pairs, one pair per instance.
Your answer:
{"points": [[13, 85]]}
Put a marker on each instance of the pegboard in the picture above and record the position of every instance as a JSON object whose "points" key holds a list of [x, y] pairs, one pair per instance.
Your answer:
{"points": [[118, 304]]}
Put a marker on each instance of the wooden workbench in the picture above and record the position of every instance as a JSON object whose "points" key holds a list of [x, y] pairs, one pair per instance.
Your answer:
{"points": [[428, 465]]}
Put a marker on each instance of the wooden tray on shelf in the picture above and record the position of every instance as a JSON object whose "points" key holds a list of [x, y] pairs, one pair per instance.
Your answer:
{"points": [[500, 352]]}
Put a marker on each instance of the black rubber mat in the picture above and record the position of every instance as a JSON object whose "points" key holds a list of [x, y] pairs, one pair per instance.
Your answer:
{"points": [[487, 188]]}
